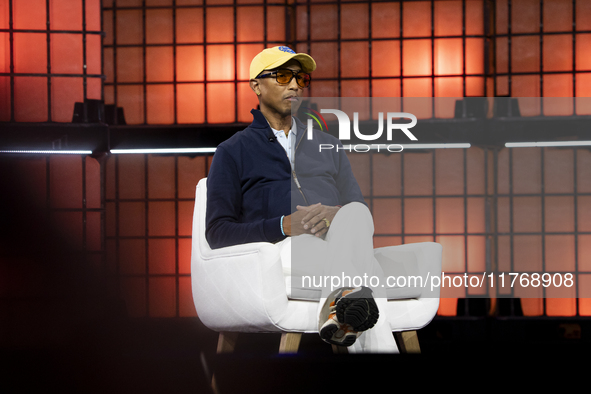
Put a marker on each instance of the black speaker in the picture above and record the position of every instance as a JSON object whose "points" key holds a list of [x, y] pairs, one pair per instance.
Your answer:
{"points": [[95, 111], [114, 115], [509, 307], [90, 111], [506, 107], [471, 107]]}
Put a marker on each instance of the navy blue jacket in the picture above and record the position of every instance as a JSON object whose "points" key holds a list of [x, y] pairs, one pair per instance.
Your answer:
{"points": [[250, 183]]}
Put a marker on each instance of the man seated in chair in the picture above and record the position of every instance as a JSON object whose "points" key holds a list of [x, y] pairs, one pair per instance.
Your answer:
{"points": [[270, 183]]}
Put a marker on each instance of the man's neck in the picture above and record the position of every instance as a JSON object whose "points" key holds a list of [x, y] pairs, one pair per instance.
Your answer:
{"points": [[278, 122]]}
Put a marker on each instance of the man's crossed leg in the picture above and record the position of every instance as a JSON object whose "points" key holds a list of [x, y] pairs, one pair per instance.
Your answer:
{"points": [[351, 311]]}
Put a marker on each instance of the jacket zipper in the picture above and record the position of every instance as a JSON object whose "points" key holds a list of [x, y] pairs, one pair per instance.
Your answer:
{"points": [[295, 177]]}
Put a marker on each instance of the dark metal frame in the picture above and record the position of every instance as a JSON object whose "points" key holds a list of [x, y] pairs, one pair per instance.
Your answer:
{"points": [[492, 12], [174, 44], [491, 232], [291, 19], [490, 196], [48, 32], [491, 200], [490, 51], [116, 238], [401, 38]]}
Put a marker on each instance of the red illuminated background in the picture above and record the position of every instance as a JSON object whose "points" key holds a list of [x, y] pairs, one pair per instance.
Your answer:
{"points": [[170, 63]]}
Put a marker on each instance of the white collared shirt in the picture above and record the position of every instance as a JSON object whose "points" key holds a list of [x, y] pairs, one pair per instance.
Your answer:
{"points": [[288, 142]]}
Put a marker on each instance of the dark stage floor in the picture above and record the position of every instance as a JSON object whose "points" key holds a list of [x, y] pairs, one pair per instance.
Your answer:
{"points": [[178, 356]]}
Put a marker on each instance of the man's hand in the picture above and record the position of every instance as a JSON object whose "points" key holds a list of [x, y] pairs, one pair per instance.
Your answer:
{"points": [[308, 220], [313, 221], [292, 224]]}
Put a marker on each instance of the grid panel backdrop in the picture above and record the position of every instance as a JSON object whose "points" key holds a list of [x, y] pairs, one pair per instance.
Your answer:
{"points": [[394, 49], [524, 210], [542, 209], [50, 58], [515, 210], [149, 204], [483, 205], [174, 62], [496, 208], [540, 52]]}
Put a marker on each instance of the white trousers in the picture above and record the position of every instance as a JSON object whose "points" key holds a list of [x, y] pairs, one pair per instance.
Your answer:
{"points": [[343, 259]]}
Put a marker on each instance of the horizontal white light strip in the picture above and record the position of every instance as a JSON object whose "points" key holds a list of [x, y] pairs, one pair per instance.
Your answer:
{"points": [[49, 152], [170, 150], [548, 143], [396, 147], [436, 146]]}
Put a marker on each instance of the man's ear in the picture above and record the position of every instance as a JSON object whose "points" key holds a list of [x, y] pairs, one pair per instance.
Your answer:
{"points": [[254, 85]]}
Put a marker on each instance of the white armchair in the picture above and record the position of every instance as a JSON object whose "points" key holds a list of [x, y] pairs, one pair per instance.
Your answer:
{"points": [[243, 289]]}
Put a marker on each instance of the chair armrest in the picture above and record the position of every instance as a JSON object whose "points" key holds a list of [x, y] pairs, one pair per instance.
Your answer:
{"points": [[235, 287], [239, 286], [422, 260], [231, 251]]}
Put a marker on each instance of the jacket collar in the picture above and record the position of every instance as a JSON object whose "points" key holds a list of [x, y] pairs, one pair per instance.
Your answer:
{"points": [[260, 122], [301, 129]]}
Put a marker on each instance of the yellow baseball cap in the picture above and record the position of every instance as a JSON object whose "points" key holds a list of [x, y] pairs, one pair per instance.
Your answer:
{"points": [[274, 57]]}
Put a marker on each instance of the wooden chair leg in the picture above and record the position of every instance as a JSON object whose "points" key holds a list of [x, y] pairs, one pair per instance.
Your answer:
{"points": [[408, 341], [226, 344], [340, 349], [290, 342]]}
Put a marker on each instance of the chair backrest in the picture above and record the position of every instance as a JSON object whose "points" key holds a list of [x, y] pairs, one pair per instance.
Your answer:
{"points": [[199, 241]]}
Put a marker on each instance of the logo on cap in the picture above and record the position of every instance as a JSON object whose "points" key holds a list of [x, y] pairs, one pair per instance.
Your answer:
{"points": [[286, 49]]}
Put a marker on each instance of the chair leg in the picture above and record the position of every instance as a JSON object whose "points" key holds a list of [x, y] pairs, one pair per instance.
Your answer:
{"points": [[290, 342], [340, 349], [408, 341], [226, 344]]}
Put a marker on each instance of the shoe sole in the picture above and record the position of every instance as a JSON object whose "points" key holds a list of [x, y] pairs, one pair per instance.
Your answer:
{"points": [[328, 332], [359, 310]]}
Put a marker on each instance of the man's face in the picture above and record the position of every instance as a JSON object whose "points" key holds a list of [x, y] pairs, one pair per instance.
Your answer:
{"points": [[278, 98]]}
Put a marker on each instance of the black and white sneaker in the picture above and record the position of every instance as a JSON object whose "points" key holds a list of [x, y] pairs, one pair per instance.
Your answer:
{"points": [[353, 311], [357, 308]]}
